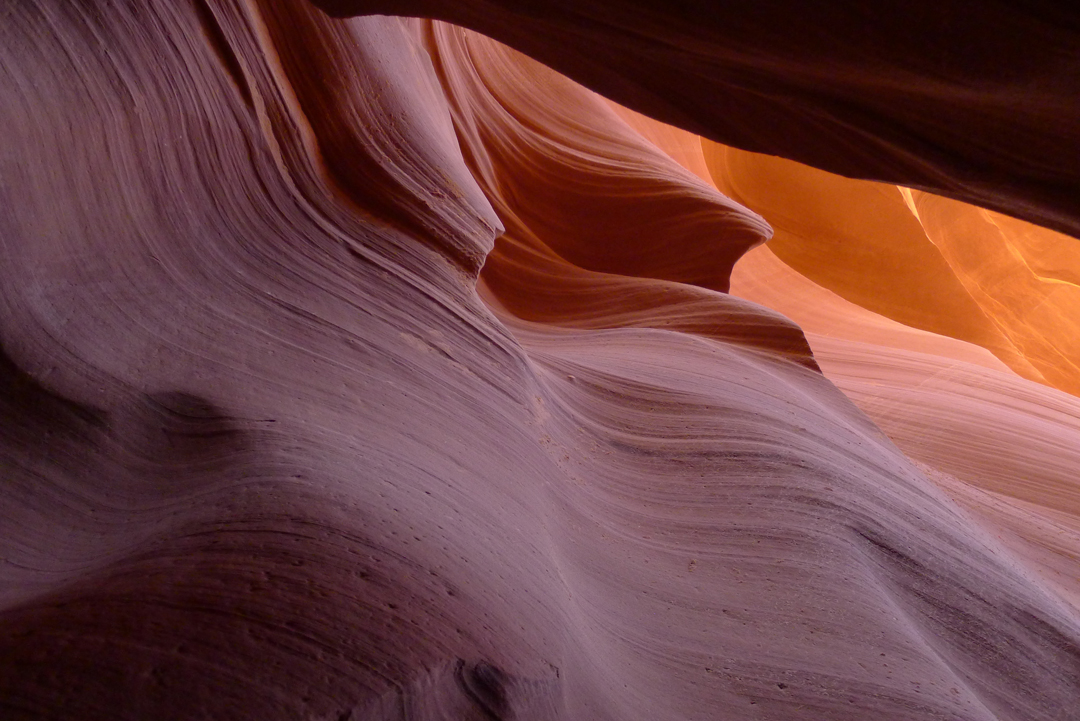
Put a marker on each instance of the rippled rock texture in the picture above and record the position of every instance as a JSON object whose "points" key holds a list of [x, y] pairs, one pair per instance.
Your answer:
{"points": [[369, 369]]}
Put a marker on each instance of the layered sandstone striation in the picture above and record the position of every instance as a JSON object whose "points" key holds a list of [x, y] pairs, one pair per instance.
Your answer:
{"points": [[369, 369], [973, 102]]}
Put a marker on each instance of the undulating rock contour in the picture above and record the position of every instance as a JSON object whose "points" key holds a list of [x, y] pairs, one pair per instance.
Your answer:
{"points": [[369, 368]]}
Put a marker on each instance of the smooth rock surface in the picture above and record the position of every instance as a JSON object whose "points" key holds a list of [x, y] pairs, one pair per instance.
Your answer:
{"points": [[369, 369]]}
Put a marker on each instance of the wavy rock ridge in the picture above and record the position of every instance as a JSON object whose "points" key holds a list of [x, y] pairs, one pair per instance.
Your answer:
{"points": [[275, 446]]}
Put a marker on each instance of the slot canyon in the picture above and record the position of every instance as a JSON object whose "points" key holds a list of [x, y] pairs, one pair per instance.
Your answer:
{"points": [[418, 360]]}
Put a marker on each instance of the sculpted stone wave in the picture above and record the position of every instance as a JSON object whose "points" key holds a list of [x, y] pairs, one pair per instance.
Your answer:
{"points": [[369, 369], [973, 102]]}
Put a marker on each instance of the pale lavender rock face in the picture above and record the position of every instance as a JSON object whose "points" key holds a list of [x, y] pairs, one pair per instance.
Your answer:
{"points": [[271, 450]]}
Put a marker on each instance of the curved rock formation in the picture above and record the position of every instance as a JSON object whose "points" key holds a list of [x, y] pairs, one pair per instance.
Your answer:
{"points": [[1005, 447], [926, 261], [971, 101], [368, 369]]}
